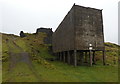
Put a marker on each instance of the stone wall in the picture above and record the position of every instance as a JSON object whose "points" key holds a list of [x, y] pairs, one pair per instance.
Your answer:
{"points": [[49, 32]]}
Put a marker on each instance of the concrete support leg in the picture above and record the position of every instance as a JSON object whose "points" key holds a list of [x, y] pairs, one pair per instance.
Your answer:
{"points": [[81, 57], [91, 58], [75, 57], [94, 61], [68, 54], [64, 56], [104, 58], [71, 57], [60, 56], [86, 57]]}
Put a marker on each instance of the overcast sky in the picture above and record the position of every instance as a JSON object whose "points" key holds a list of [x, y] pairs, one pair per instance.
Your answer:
{"points": [[28, 15]]}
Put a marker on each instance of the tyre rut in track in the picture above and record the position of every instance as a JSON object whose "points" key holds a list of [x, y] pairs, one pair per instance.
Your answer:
{"points": [[21, 56]]}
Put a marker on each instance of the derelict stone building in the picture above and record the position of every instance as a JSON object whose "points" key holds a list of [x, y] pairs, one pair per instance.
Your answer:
{"points": [[79, 36], [49, 32]]}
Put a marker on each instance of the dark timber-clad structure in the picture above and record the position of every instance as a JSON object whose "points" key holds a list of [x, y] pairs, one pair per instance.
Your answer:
{"points": [[79, 36]]}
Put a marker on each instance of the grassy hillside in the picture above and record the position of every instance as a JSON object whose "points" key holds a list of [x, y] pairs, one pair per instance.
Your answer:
{"points": [[33, 64]]}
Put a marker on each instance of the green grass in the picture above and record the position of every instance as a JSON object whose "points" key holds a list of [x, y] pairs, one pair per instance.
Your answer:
{"points": [[61, 73], [21, 73], [54, 71], [68, 73]]}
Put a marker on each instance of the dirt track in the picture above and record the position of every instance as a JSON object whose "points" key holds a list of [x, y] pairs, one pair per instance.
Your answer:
{"points": [[18, 57]]}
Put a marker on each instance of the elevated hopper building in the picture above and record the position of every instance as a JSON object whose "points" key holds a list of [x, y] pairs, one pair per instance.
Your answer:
{"points": [[79, 36]]}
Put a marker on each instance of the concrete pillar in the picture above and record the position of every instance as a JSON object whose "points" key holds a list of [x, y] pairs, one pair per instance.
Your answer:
{"points": [[94, 61], [90, 58], [68, 57], [81, 58], [104, 58], [86, 57], [71, 57], [75, 57], [63, 56], [60, 56]]}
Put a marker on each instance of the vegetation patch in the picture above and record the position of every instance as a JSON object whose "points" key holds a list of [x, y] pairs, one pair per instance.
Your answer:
{"points": [[42, 69]]}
